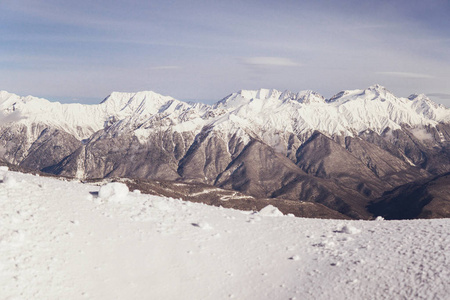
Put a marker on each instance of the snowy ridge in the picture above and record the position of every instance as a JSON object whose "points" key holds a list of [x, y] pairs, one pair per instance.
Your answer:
{"points": [[67, 240], [347, 113], [246, 96], [250, 112], [84, 120], [266, 113], [142, 103]]}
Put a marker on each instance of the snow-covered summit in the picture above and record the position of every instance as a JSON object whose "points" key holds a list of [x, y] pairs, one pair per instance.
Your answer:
{"points": [[244, 97], [83, 120], [347, 113], [417, 109], [141, 102], [309, 97], [258, 111], [374, 92], [76, 119], [425, 106]]}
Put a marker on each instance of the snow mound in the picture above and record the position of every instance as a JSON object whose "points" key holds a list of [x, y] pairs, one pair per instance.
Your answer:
{"points": [[8, 179], [270, 211], [114, 192], [3, 172]]}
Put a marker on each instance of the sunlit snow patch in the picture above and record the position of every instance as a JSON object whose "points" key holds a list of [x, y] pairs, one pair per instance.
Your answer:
{"points": [[270, 211], [114, 192], [3, 171], [7, 178]]}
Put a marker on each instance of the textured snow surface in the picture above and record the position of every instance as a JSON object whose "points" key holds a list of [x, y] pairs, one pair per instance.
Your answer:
{"points": [[60, 240]]}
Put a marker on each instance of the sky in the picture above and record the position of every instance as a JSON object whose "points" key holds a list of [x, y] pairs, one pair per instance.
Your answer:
{"points": [[81, 51]]}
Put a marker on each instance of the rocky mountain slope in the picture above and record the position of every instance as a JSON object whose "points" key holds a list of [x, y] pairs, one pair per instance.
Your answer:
{"points": [[423, 199], [342, 152]]}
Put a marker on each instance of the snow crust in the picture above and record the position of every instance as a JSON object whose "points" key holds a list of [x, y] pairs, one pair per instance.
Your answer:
{"points": [[60, 240]]}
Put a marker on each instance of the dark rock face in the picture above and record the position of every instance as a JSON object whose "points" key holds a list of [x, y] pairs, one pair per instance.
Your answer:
{"points": [[14, 143], [322, 157], [207, 157], [50, 148], [391, 170], [423, 199], [348, 175], [258, 170], [36, 147], [126, 156], [430, 152]]}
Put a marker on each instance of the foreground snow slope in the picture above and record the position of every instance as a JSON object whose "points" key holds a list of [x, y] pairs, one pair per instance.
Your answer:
{"points": [[60, 240]]}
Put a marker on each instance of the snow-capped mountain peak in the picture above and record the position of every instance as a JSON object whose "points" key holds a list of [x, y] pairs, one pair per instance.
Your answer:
{"points": [[243, 97], [144, 102], [348, 112], [379, 91], [374, 92], [426, 107], [308, 97], [83, 120], [12, 101], [259, 94], [377, 87]]}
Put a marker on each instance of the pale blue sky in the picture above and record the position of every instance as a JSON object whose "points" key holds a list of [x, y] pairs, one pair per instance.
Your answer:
{"points": [[204, 50]]}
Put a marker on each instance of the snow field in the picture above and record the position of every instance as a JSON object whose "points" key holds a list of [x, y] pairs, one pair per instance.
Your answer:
{"points": [[66, 240]]}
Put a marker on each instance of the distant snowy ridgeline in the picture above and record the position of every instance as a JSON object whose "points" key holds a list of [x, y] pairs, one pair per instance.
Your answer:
{"points": [[347, 113]]}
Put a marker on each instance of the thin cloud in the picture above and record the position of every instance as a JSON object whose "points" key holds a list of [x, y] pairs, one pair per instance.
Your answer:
{"points": [[442, 96], [269, 61], [10, 118], [166, 68], [407, 75]]}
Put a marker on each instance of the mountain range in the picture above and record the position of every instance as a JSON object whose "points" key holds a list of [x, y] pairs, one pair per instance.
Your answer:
{"points": [[348, 152]]}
